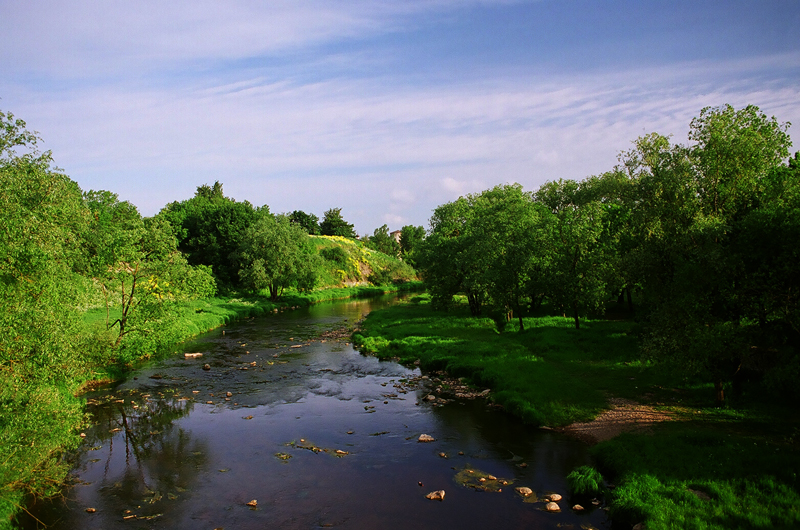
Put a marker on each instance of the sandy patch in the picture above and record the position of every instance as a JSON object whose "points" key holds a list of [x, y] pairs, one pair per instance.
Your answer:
{"points": [[624, 416]]}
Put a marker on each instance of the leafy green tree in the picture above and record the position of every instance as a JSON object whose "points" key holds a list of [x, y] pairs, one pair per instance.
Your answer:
{"points": [[276, 254], [383, 242], [694, 205], [145, 274], [209, 228], [512, 245], [41, 213], [334, 225], [308, 221], [447, 259], [410, 238]]}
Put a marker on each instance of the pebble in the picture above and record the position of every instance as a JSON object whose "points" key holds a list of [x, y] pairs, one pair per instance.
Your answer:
{"points": [[578, 508], [426, 438], [206, 367], [555, 497], [552, 507]]}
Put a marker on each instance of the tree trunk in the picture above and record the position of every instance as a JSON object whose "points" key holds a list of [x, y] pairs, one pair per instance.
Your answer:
{"points": [[575, 315], [719, 390], [521, 324], [630, 300]]}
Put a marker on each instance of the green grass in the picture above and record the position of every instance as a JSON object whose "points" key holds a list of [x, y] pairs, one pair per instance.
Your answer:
{"points": [[715, 469], [547, 375]]}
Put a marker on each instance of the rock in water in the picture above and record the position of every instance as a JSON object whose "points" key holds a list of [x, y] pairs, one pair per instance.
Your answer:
{"points": [[524, 491], [555, 497], [552, 507], [253, 503], [435, 495], [426, 438], [578, 508], [206, 367]]}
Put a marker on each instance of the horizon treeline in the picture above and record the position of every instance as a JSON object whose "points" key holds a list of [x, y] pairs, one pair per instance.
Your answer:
{"points": [[704, 236]]}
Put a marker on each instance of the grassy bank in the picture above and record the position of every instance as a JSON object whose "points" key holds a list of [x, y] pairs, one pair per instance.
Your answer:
{"points": [[714, 468], [40, 418]]}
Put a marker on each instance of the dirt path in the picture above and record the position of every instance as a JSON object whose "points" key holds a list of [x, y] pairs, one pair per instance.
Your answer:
{"points": [[625, 416]]}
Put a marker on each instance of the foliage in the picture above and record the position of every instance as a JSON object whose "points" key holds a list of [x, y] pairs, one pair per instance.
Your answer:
{"points": [[383, 242], [410, 238], [585, 480], [210, 227], [334, 225], [41, 212], [308, 221], [276, 254]]}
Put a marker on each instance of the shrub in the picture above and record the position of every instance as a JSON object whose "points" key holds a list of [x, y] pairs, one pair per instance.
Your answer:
{"points": [[585, 480]]}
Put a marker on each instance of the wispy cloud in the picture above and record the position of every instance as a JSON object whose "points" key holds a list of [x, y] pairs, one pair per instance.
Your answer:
{"points": [[281, 124]]}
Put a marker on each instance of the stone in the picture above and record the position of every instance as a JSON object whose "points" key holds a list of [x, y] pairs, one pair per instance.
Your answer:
{"points": [[192, 355], [524, 491], [91, 510], [435, 495], [206, 367], [555, 497], [253, 503], [229, 394], [430, 397], [578, 508], [552, 507], [426, 438]]}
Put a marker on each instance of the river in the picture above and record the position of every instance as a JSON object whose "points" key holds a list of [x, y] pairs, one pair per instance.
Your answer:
{"points": [[318, 435]]}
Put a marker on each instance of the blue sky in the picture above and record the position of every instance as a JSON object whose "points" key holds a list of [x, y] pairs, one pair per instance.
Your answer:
{"points": [[384, 109]]}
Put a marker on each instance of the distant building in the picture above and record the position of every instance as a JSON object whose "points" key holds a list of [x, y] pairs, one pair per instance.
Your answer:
{"points": [[396, 235]]}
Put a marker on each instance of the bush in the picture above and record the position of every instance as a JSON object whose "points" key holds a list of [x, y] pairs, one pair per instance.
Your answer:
{"points": [[585, 480]]}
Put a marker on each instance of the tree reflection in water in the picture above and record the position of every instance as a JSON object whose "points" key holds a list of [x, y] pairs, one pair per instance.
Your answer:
{"points": [[133, 460]]}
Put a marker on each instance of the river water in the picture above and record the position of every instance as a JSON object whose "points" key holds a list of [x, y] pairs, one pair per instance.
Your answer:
{"points": [[317, 434]]}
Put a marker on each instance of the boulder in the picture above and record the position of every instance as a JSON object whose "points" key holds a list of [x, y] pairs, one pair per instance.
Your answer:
{"points": [[552, 507], [578, 508], [555, 497], [426, 438], [524, 491]]}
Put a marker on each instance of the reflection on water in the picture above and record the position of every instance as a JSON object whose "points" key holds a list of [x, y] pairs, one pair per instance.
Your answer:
{"points": [[317, 434]]}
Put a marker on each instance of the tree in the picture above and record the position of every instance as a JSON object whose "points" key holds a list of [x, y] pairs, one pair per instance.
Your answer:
{"points": [[448, 260], [696, 207], [383, 242], [410, 238], [41, 213], [334, 225], [275, 254], [140, 269], [209, 228], [308, 221], [512, 236]]}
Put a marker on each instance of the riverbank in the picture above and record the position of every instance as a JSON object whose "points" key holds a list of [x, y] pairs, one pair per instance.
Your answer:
{"points": [[44, 418], [708, 468]]}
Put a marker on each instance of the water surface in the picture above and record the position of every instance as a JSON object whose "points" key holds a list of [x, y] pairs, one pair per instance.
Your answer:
{"points": [[171, 449]]}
